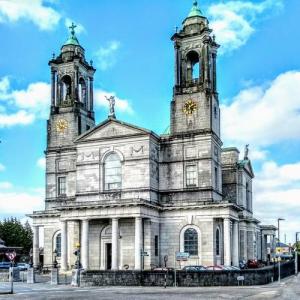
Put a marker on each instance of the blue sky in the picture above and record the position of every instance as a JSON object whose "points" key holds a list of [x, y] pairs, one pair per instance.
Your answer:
{"points": [[129, 42]]}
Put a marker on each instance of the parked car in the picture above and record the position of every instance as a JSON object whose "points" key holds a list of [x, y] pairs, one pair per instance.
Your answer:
{"points": [[231, 268], [163, 269], [22, 266], [194, 268], [4, 265], [252, 264], [215, 268], [243, 264]]}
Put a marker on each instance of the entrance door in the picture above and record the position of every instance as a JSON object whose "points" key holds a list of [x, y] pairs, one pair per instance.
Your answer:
{"points": [[108, 256]]}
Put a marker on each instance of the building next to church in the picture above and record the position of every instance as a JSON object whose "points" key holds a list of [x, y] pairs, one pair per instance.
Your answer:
{"points": [[120, 190]]}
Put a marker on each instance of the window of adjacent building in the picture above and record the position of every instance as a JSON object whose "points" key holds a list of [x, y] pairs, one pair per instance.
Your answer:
{"points": [[112, 172], [156, 245], [191, 175], [58, 245], [218, 241], [191, 241], [61, 185]]}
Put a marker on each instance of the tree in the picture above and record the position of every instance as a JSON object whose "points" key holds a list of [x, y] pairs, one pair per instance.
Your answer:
{"points": [[15, 234]]}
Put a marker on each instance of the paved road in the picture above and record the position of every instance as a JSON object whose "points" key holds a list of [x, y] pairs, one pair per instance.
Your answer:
{"points": [[289, 289]]}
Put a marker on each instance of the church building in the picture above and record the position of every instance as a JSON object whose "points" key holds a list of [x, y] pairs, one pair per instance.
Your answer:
{"points": [[130, 198]]}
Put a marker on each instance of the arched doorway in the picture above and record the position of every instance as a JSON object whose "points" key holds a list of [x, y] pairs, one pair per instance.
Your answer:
{"points": [[106, 248]]}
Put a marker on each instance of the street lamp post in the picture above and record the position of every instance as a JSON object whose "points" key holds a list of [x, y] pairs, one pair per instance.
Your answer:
{"points": [[296, 254], [279, 258]]}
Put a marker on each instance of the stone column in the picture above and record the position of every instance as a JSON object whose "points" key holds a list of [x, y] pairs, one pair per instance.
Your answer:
{"points": [[177, 65], [64, 247], [36, 248], [91, 94], [235, 237], [52, 88], [138, 243], [263, 253], [214, 58], [227, 243], [85, 244], [114, 244], [272, 245]]}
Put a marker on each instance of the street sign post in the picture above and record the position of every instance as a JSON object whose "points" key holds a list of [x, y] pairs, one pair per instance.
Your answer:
{"points": [[11, 256]]}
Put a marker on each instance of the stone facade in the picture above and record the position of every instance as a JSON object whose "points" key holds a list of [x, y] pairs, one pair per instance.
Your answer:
{"points": [[130, 198]]}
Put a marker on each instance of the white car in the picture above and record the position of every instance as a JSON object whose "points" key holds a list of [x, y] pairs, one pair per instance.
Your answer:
{"points": [[22, 266]]}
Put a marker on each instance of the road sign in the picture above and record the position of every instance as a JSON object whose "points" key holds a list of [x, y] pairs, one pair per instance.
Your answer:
{"points": [[182, 256], [11, 255]]}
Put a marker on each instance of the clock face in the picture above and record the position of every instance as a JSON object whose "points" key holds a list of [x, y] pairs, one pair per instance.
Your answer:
{"points": [[189, 107], [61, 125]]}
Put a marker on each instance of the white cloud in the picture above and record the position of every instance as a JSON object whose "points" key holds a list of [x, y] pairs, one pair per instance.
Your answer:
{"points": [[264, 115], [41, 163], [5, 185], [273, 176], [123, 105], [276, 194], [2, 167], [79, 27], [4, 85], [19, 118], [28, 104], [233, 21], [20, 202], [36, 11], [36, 98], [106, 56]]}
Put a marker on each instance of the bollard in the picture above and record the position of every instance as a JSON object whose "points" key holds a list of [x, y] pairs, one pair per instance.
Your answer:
{"points": [[54, 276], [11, 280], [76, 278], [30, 275]]}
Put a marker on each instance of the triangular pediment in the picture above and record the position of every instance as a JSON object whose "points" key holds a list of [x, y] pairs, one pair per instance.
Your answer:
{"points": [[246, 164], [112, 128]]}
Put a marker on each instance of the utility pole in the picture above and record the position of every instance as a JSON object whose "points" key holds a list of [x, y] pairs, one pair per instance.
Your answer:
{"points": [[296, 254]]}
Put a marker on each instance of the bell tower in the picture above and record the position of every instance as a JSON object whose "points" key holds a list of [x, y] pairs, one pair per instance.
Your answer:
{"points": [[72, 110], [195, 105]]}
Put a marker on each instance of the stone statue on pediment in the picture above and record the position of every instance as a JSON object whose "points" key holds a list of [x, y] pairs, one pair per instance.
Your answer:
{"points": [[112, 101], [246, 152]]}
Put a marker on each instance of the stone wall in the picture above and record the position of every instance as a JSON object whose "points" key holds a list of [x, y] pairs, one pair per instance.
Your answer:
{"points": [[204, 278], [4, 275]]}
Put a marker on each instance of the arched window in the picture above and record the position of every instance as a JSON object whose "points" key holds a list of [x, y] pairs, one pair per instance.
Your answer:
{"points": [[218, 241], [82, 92], [112, 172], [65, 86], [191, 241], [58, 245], [193, 66]]}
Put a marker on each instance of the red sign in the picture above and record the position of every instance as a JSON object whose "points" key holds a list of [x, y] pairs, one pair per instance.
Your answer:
{"points": [[11, 255]]}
